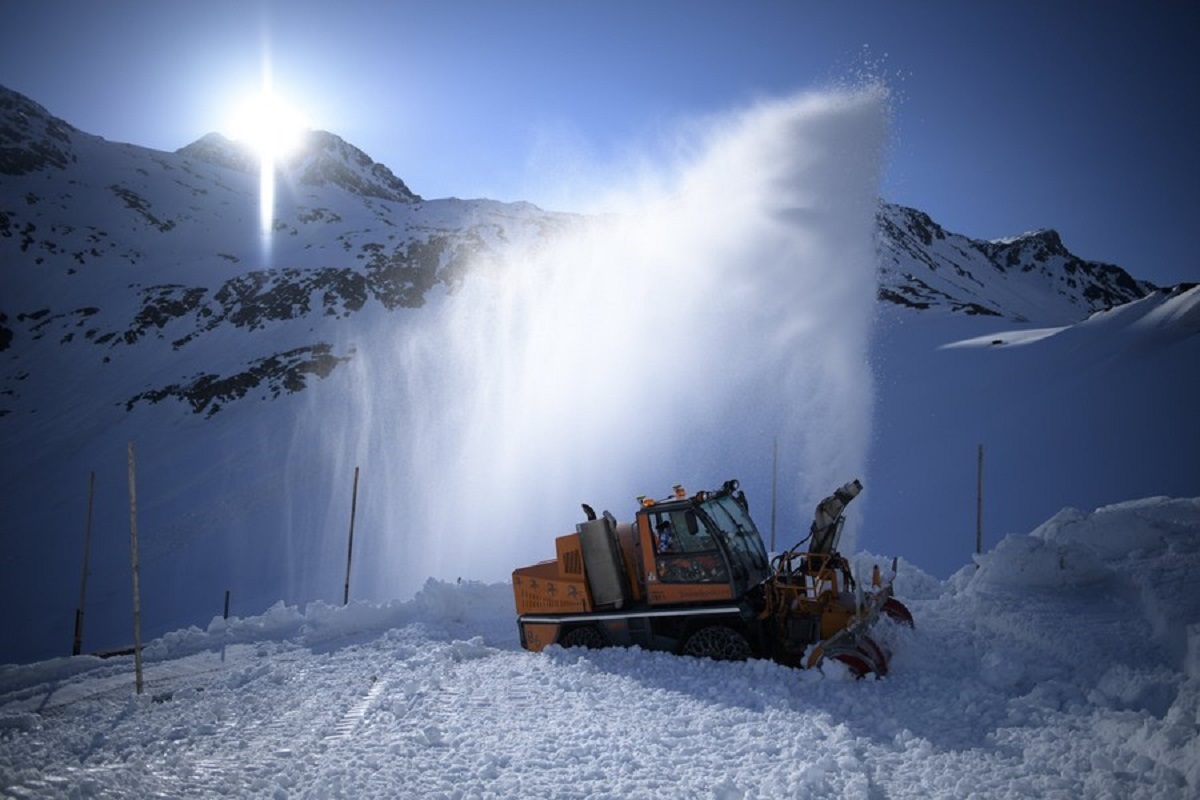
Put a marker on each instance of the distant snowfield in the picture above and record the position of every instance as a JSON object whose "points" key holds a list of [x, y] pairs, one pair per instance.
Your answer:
{"points": [[1008, 338], [1098, 412], [1066, 665]]}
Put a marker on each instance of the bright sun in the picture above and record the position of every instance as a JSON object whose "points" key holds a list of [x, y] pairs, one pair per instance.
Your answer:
{"points": [[269, 124], [274, 129]]}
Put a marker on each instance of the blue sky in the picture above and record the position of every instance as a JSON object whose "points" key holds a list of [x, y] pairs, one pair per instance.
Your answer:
{"points": [[1084, 117]]}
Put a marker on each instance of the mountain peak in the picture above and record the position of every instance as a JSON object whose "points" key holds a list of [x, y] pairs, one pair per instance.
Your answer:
{"points": [[325, 158], [1040, 244], [322, 159], [216, 148]]}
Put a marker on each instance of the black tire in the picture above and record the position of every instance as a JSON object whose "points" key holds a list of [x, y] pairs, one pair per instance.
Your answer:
{"points": [[718, 642], [587, 637]]}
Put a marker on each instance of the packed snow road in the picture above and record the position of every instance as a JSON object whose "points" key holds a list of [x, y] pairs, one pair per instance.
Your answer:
{"points": [[1032, 677]]}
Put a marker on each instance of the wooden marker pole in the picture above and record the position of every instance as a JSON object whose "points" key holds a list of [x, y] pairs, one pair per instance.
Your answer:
{"points": [[225, 630], [133, 547], [979, 505], [774, 486], [350, 546], [77, 644]]}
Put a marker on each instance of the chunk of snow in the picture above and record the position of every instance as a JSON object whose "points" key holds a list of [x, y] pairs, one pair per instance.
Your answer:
{"points": [[1022, 561]]}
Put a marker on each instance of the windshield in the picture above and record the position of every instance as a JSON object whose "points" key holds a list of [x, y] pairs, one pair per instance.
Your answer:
{"points": [[739, 534]]}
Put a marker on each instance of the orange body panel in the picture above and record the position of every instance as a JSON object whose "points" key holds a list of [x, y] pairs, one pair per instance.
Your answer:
{"points": [[837, 613], [645, 541], [539, 635], [570, 555], [557, 586], [663, 593]]}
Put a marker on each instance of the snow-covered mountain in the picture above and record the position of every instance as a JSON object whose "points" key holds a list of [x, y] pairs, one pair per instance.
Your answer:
{"points": [[142, 302], [109, 245], [1026, 278], [321, 159], [109, 248]]}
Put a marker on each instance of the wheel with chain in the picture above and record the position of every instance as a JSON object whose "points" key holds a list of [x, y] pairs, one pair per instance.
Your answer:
{"points": [[588, 637], [718, 643]]}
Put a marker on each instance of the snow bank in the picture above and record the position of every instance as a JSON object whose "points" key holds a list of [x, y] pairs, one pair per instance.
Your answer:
{"points": [[1027, 562], [1077, 548], [1138, 528], [448, 607], [445, 609], [1142, 554], [14, 676]]}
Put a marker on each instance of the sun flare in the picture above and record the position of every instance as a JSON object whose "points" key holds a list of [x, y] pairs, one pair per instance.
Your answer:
{"points": [[273, 128], [268, 124]]}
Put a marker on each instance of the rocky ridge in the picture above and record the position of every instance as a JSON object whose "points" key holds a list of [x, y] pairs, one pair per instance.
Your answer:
{"points": [[1028, 278]]}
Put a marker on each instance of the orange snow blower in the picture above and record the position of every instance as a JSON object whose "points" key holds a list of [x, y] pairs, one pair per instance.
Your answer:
{"points": [[690, 575]]}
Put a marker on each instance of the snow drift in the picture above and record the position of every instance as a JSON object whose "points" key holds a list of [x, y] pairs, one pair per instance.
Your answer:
{"points": [[1043, 673]]}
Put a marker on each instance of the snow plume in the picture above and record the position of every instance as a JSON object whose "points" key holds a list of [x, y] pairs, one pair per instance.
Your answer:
{"points": [[667, 343]]}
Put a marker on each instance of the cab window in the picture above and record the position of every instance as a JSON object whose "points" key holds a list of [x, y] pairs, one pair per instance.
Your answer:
{"points": [[685, 550]]}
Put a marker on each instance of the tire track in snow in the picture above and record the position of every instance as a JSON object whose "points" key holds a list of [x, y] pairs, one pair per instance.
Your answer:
{"points": [[356, 712], [227, 731]]}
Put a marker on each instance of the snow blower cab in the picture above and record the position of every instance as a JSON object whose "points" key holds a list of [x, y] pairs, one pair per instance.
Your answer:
{"points": [[690, 575]]}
